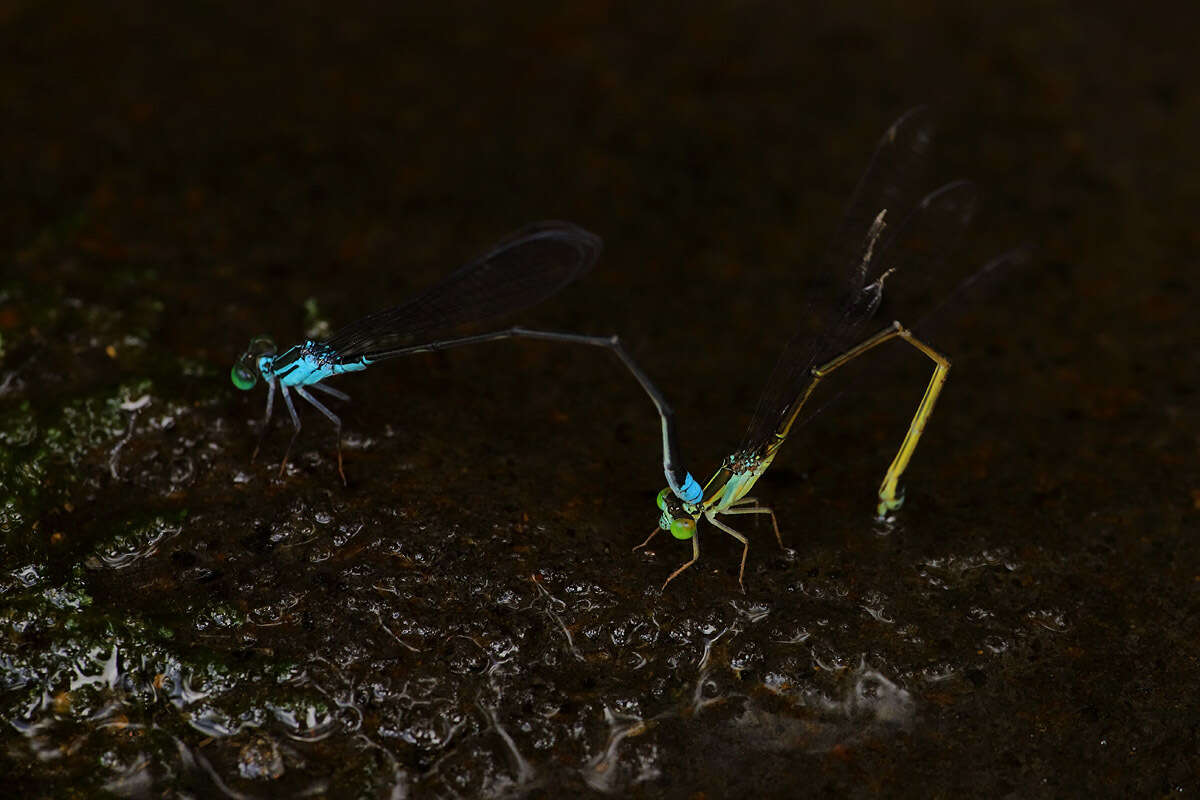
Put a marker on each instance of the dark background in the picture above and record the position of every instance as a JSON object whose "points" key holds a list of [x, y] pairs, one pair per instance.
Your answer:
{"points": [[466, 617]]}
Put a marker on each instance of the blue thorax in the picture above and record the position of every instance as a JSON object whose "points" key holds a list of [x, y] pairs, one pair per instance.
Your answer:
{"points": [[305, 365]]}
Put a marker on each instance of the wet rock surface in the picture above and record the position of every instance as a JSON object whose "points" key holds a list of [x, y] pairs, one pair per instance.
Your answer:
{"points": [[466, 617]]}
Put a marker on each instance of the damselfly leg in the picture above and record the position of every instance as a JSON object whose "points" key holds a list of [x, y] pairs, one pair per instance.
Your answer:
{"points": [[712, 517], [262, 434], [749, 505], [694, 559], [295, 417], [332, 417], [287, 398], [646, 541]]}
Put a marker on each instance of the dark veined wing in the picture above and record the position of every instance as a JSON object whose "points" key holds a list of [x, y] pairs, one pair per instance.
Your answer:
{"points": [[917, 232], [521, 271]]}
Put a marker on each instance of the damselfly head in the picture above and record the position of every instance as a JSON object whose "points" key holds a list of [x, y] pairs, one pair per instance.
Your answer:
{"points": [[246, 371], [674, 517]]}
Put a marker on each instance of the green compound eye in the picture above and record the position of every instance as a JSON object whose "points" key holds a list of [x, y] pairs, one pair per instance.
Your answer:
{"points": [[242, 376], [683, 528], [662, 499]]}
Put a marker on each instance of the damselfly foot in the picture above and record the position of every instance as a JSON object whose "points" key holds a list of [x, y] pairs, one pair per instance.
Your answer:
{"points": [[694, 559], [653, 533]]}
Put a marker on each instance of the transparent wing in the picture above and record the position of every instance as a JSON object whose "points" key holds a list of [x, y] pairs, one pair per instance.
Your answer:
{"points": [[847, 296], [521, 271]]}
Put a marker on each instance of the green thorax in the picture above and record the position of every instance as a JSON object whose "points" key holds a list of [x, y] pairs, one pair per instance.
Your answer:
{"points": [[736, 478]]}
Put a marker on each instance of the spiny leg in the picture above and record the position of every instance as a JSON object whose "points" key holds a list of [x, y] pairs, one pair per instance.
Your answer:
{"points": [[287, 398], [712, 517], [332, 417], [695, 558], [737, 508], [262, 434], [653, 533]]}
